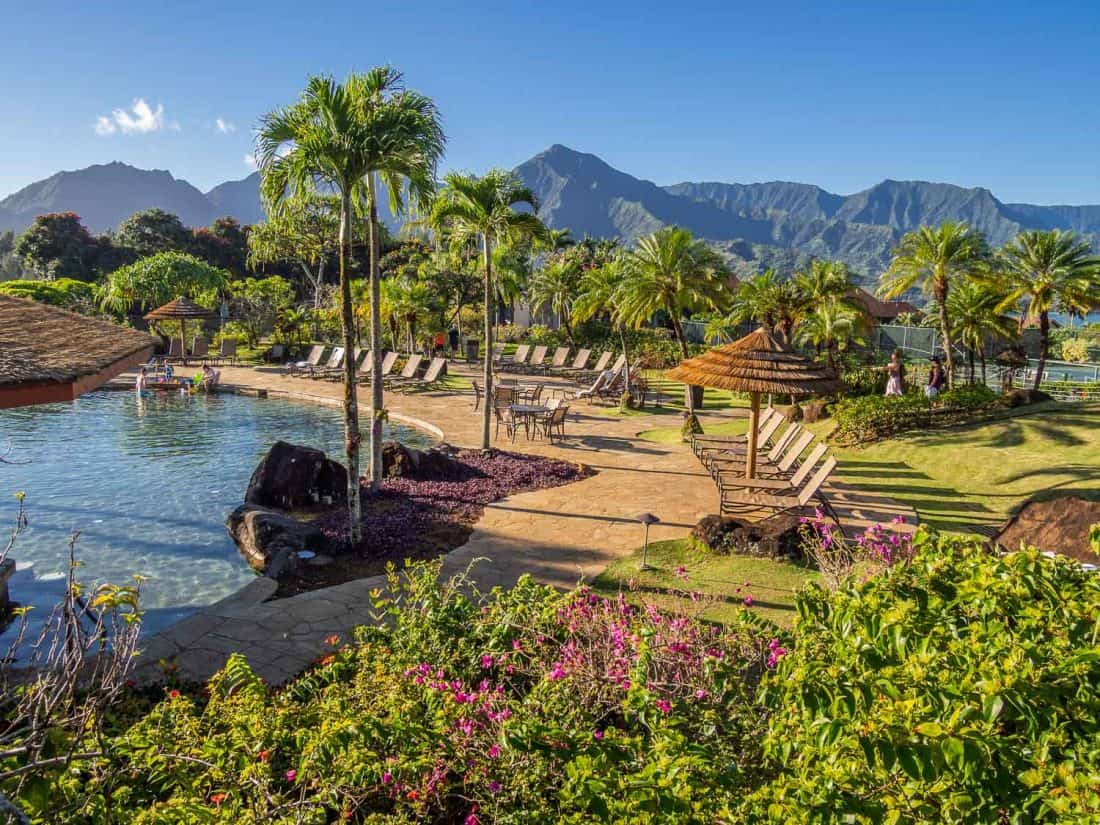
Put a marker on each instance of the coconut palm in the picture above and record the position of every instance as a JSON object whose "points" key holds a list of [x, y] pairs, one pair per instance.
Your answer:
{"points": [[672, 272], [974, 309], [320, 142], [768, 300], [934, 259], [482, 208], [600, 292], [555, 286], [831, 327], [1041, 270]]}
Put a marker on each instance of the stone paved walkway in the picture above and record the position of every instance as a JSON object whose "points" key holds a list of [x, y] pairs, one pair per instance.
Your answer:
{"points": [[560, 536]]}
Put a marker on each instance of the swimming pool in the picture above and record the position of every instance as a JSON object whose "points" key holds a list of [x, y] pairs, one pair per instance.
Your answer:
{"points": [[148, 482]]}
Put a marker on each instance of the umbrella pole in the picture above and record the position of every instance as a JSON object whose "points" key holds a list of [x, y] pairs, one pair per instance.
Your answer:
{"points": [[183, 340], [754, 420]]}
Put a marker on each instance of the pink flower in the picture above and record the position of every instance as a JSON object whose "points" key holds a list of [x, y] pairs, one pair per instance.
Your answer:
{"points": [[494, 787], [291, 775], [748, 601], [517, 644], [664, 706], [681, 573], [486, 661], [494, 751], [558, 672], [387, 778], [701, 694]]}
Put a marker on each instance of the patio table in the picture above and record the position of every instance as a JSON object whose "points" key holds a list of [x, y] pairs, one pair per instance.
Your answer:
{"points": [[528, 412]]}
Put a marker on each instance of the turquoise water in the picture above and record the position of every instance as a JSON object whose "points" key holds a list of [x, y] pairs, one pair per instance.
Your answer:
{"points": [[148, 483]]}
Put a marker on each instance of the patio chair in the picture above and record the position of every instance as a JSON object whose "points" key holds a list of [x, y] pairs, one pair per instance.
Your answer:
{"points": [[531, 395], [576, 366], [312, 360], [227, 351], [767, 424], [498, 353], [335, 362], [431, 376], [538, 357], [517, 360], [601, 379], [504, 396], [736, 452], [553, 422], [385, 368], [411, 366], [561, 355], [504, 416], [275, 353], [200, 347], [778, 499], [478, 394], [338, 373]]}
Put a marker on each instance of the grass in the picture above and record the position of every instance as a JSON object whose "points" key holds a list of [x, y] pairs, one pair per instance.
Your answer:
{"points": [[724, 581], [672, 399], [970, 479]]}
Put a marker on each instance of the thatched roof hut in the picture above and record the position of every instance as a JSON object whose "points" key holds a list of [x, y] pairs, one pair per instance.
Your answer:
{"points": [[756, 364], [49, 354]]}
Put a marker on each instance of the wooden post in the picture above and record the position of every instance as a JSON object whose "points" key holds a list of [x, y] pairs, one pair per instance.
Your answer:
{"points": [[183, 341], [754, 420]]}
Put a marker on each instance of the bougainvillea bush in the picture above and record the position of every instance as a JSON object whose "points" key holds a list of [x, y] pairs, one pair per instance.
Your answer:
{"points": [[954, 685]]}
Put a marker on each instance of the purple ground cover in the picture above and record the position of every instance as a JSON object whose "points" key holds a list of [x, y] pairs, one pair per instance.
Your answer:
{"points": [[410, 513]]}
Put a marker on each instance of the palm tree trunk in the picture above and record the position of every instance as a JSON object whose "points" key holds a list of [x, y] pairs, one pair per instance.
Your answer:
{"points": [[1044, 346], [377, 410], [487, 377], [626, 358], [970, 359], [678, 331], [945, 331], [981, 356], [351, 402]]}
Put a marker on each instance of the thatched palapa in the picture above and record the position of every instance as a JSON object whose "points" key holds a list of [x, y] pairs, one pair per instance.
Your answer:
{"points": [[756, 364], [49, 354], [183, 310]]}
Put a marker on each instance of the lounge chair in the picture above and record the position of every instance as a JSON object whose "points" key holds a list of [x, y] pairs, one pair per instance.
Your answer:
{"points": [[538, 358], [385, 368], [228, 351], [175, 350], [431, 376], [411, 366], [200, 347], [777, 495], [498, 353], [703, 443], [517, 360], [778, 461], [335, 362], [312, 360], [601, 379], [576, 366], [338, 373], [561, 355], [736, 452]]}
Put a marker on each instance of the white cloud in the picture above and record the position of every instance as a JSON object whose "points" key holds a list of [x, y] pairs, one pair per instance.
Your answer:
{"points": [[250, 161], [224, 126], [139, 119]]}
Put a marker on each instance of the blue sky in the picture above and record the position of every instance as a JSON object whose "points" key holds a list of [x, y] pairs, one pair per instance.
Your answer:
{"points": [[1002, 95]]}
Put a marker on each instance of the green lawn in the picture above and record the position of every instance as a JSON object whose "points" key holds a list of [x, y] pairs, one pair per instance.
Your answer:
{"points": [[967, 479], [724, 581]]}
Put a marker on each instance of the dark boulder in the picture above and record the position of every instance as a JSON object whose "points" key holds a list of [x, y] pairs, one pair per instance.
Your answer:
{"points": [[271, 540], [775, 538], [291, 476], [1058, 525], [401, 461], [398, 461]]}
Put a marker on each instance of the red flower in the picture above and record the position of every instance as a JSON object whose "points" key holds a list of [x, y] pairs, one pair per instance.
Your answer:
{"points": [[413, 795], [264, 755], [217, 798], [173, 694]]}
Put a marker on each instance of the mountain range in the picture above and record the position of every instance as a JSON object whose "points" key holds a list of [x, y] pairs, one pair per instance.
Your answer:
{"points": [[754, 225]]}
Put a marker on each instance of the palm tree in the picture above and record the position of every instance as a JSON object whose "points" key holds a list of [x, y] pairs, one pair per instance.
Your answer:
{"points": [[600, 292], [975, 315], [672, 272], [482, 208], [934, 259], [559, 239], [831, 326], [1041, 269], [555, 286], [775, 304], [403, 143], [315, 143]]}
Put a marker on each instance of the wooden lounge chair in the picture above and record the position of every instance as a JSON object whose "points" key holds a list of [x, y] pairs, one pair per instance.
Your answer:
{"points": [[385, 368], [175, 350], [776, 464], [335, 362], [312, 360], [498, 353], [601, 379], [227, 351], [431, 376], [577, 365], [777, 495], [411, 366], [338, 373], [538, 358], [519, 357]]}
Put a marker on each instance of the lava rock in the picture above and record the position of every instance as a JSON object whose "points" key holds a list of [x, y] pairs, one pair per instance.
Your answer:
{"points": [[774, 538], [1059, 525], [401, 461], [398, 461], [292, 476], [270, 540]]}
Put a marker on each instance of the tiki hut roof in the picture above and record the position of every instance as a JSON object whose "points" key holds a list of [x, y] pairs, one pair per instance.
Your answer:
{"points": [[1011, 357], [58, 354], [757, 363], [177, 309]]}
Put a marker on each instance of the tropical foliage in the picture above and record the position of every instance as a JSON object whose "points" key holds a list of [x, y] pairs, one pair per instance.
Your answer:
{"points": [[156, 280]]}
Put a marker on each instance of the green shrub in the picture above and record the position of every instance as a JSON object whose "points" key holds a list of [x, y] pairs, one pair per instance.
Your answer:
{"points": [[1076, 350], [66, 293], [959, 688], [872, 417]]}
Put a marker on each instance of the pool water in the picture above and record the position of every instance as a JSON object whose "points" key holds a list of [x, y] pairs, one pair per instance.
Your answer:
{"points": [[148, 482]]}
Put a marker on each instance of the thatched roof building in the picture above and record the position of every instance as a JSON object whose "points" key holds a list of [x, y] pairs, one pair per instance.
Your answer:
{"points": [[49, 354]]}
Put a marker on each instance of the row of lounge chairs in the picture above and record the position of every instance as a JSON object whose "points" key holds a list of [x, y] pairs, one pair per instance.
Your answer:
{"points": [[788, 477], [200, 351], [528, 359], [333, 368]]}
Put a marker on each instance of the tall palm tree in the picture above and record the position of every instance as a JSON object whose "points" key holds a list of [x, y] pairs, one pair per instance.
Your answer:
{"points": [[1041, 269], [934, 258], [316, 143], [768, 300], [672, 272], [555, 285], [974, 309], [403, 143], [600, 292], [482, 208], [831, 326]]}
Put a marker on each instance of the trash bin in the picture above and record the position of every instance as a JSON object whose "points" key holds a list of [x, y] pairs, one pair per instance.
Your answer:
{"points": [[472, 347]]}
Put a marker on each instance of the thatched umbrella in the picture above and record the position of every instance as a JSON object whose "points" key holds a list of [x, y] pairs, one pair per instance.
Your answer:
{"points": [[181, 309], [756, 364]]}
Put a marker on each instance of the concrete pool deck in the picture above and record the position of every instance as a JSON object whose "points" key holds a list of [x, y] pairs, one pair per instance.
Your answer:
{"points": [[560, 536]]}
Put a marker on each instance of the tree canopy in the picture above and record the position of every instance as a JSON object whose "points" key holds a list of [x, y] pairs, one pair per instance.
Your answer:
{"points": [[158, 279]]}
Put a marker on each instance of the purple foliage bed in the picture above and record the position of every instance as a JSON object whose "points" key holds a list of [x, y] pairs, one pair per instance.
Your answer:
{"points": [[409, 513]]}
